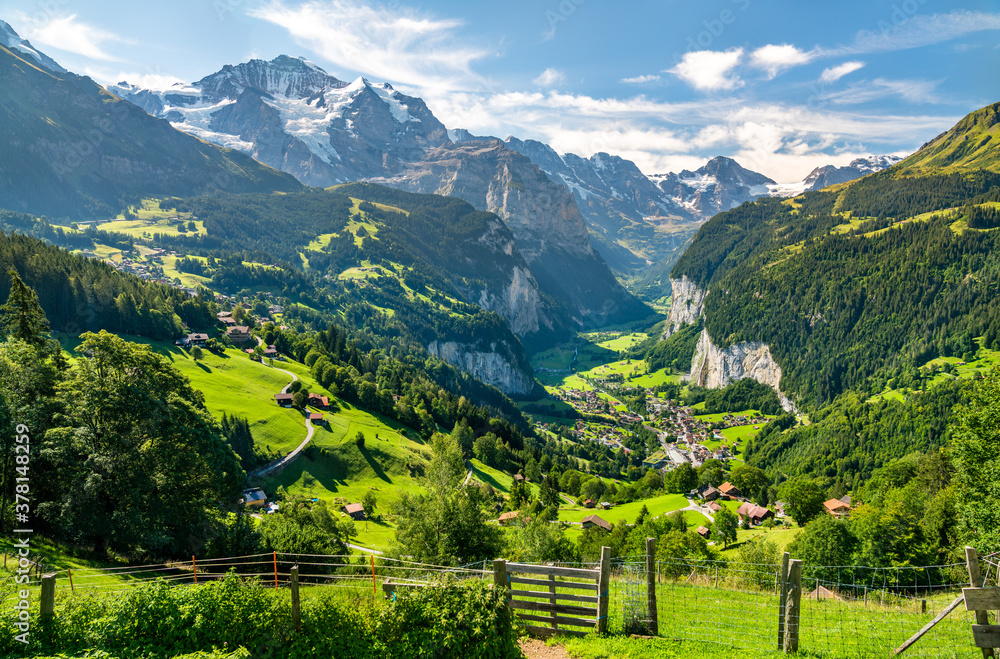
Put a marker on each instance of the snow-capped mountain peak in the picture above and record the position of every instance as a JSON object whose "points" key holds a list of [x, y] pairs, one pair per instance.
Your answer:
{"points": [[291, 114], [872, 164], [10, 40], [291, 77]]}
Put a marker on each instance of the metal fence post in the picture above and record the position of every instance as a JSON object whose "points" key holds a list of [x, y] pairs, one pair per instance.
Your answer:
{"points": [[47, 609], [654, 624], [782, 599], [296, 611], [793, 606], [602, 590]]}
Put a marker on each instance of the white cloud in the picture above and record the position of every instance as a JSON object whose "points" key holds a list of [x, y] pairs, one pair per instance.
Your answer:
{"points": [[902, 31], [774, 58], [709, 70], [640, 80], [550, 78], [395, 44], [71, 35], [782, 141], [835, 73]]}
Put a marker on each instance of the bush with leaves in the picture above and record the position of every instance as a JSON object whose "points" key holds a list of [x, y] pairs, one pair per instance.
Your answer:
{"points": [[233, 619]]}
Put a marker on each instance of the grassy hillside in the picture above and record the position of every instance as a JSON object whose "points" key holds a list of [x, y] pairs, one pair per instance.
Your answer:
{"points": [[234, 384], [970, 144]]}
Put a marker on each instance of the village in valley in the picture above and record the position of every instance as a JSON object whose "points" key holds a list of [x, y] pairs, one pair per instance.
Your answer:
{"points": [[600, 393]]}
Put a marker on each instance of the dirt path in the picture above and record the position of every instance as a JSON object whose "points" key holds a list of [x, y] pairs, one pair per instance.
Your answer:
{"points": [[535, 649]]}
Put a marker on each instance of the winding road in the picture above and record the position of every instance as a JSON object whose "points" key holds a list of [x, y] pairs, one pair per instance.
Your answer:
{"points": [[288, 459]]}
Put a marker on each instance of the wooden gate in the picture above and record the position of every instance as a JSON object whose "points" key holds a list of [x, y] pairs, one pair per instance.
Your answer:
{"points": [[982, 601], [560, 597]]}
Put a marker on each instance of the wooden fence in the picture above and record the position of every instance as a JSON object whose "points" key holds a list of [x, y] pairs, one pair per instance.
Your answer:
{"points": [[587, 605], [982, 601]]}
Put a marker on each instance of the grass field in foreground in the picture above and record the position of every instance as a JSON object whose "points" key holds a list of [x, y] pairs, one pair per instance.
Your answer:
{"points": [[696, 621]]}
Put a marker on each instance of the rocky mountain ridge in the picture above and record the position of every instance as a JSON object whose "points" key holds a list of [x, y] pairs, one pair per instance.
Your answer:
{"points": [[822, 177], [291, 114]]}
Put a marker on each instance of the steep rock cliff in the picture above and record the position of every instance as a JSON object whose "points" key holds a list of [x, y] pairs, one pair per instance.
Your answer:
{"points": [[714, 367], [687, 303], [488, 363], [548, 228]]}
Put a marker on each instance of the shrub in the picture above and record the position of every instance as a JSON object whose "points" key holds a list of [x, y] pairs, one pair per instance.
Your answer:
{"points": [[234, 619]]}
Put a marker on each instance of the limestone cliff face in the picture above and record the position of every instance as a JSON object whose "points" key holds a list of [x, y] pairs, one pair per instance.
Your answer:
{"points": [[686, 305], [713, 367], [518, 304], [548, 229], [486, 363]]}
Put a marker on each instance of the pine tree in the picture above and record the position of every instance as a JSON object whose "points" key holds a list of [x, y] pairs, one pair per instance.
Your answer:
{"points": [[23, 317]]}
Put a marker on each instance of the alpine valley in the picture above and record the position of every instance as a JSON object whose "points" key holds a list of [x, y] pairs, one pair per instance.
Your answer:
{"points": [[245, 312]]}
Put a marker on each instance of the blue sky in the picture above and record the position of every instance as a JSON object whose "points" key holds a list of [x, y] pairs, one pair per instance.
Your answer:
{"points": [[781, 86]]}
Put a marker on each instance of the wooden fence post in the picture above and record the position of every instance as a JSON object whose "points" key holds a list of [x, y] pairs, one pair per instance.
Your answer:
{"points": [[552, 600], [603, 588], [793, 606], [500, 575], [296, 611], [47, 609], [782, 599], [654, 623], [976, 581]]}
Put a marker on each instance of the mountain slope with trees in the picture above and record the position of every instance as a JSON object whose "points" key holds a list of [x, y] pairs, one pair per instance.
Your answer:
{"points": [[854, 289]]}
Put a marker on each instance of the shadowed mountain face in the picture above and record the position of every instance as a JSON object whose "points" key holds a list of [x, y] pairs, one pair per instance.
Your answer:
{"points": [[72, 149]]}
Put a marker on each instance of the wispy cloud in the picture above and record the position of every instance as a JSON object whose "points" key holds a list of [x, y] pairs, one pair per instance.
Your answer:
{"points": [[919, 30], [395, 44], [833, 74], [550, 78], [710, 70], [775, 58], [69, 34], [913, 91], [640, 80]]}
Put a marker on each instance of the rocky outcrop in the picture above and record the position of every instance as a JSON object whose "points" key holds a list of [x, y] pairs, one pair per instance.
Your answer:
{"points": [[518, 304], [486, 363], [714, 367], [686, 304], [543, 217]]}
